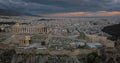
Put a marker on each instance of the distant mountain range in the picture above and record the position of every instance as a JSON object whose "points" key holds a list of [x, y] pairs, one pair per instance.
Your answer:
{"points": [[4, 12], [9, 13]]}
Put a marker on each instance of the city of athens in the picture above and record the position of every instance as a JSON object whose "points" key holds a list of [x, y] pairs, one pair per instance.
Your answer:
{"points": [[59, 31]]}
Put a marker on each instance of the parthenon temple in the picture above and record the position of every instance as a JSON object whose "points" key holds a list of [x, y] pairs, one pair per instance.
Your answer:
{"points": [[29, 29]]}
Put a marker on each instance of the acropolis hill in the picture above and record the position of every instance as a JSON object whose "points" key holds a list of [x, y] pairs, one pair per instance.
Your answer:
{"points": [[74, 39]]}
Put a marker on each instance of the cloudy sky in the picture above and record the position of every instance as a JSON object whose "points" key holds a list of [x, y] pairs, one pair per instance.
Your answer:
{"points": [[64, 8]]}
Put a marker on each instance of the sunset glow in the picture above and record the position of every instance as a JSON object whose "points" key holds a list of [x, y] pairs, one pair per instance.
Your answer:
{"points": [[77, 14]]}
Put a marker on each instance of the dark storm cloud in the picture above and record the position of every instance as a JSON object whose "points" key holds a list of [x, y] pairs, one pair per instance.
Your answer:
{"points": [[81, 5], [59, 6], [28, 7]]}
